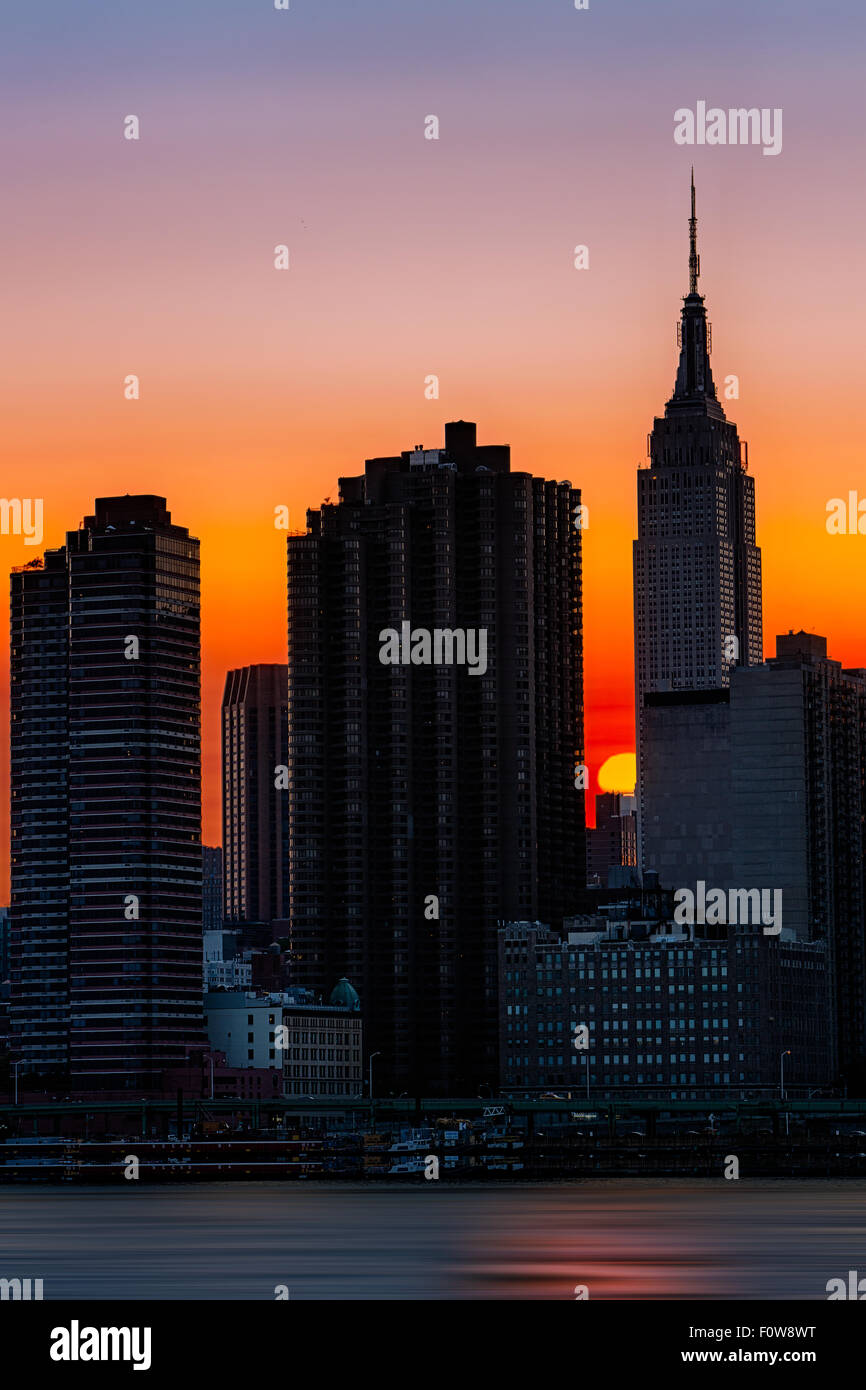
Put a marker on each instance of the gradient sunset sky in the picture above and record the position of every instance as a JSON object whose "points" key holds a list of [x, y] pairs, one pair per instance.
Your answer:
{"points": [[412, 257]]}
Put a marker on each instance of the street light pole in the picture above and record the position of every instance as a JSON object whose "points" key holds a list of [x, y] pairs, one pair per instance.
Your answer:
{"points": [[15, 1066], [370, 1068], [782, 1096]]}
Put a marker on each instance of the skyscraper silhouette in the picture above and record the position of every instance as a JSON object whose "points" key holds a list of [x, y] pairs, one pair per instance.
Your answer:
{"points": [[697, 569], [106, 800], [427, 801]]}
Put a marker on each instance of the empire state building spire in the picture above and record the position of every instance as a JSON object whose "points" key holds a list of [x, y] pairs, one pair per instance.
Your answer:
{"points": [[694, 258], [697, 585], [694, 391]]}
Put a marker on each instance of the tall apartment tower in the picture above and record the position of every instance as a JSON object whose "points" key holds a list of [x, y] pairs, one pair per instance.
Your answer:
{"points": [[106, 801], [255, 808], [430, 799], [697, 569]]}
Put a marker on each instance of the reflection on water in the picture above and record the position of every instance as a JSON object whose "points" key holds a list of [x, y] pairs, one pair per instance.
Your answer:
{"points": [[622, 1239]]}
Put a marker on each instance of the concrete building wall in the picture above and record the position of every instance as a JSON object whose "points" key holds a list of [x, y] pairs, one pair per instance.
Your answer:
{"points": [[768, 781], [244, 1029], [687, 791]]}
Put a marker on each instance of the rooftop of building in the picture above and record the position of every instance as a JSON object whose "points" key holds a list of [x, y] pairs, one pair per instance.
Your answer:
{"points": [[460, 454], [344, 1000], [128, 514]]}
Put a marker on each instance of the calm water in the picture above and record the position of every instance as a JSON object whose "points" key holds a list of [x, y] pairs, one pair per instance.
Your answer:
{"points": [[623, 1239]]}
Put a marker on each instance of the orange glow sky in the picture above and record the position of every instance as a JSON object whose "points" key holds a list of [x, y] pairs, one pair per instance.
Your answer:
{"points": [[411, 257]]}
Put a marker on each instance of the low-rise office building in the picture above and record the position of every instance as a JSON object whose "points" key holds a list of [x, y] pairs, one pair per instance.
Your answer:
{"points": [[669, 1013], [318, 1050]]}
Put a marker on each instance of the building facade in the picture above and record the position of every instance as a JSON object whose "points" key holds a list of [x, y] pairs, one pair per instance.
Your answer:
{"points": [[105, 933], [225, 964], [763, 785], [798, 780], [318, 1053], [431, 798], [669, 1014], [324, 1047], [687, 825], [255, 805], [4, 944], [211, 888], [244, 1026]]}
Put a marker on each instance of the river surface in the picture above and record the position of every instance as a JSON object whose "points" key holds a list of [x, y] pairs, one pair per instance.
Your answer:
{"points": [[626, 1239]]}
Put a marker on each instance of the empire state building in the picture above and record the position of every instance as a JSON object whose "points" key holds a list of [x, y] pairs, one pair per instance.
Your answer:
{"points": [[697, 569]]}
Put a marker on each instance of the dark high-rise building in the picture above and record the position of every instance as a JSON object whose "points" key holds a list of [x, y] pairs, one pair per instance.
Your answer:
{"points": [[764, 787], [798, 786], [255, 804], [105, 938], [435, 724], [697, 569], [211, 888]]}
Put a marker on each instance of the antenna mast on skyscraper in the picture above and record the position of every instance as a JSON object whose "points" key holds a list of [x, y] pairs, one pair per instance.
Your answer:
{"points": [[694, 258]]}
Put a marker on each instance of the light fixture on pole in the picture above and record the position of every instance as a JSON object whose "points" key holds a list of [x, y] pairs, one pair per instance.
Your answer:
{"points": [[782, 1097], [370, 1068]]}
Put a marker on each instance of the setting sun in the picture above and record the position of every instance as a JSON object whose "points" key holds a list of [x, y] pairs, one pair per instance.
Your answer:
{"points": [[618, 773]]}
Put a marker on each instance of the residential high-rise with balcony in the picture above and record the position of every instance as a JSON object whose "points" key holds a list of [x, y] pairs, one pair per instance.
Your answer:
{"points": [[105, 931], [429, 799]]}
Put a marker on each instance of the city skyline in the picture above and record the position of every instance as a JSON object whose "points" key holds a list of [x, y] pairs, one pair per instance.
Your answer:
{"points": [[610, 747], [694, 388], [432, 669], [257, 386], [396, 784]]}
